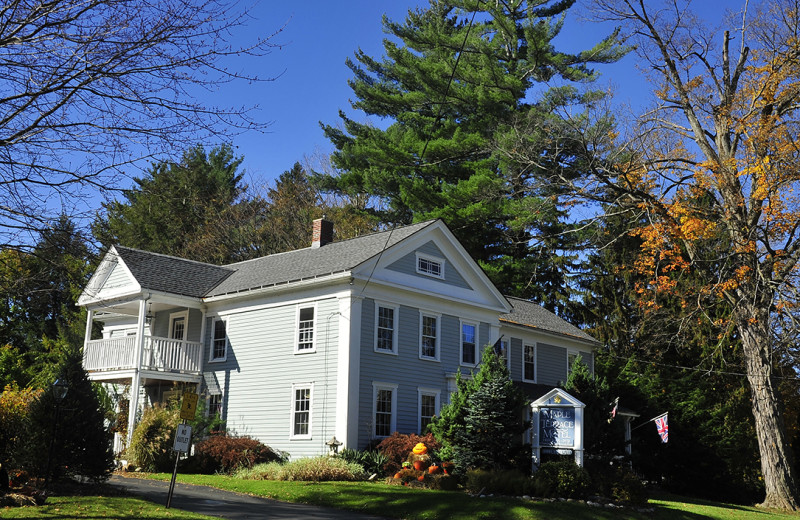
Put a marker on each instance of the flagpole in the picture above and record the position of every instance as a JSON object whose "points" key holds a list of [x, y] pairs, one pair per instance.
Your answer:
{"points": [[649, 421]]}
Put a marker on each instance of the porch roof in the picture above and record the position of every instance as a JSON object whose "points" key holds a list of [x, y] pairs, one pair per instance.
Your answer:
{"points": [[171, 274], [534, 316]]}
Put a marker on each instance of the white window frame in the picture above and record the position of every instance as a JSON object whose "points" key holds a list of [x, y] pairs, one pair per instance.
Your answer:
{"points": [[377, 386], [535, 348], [429, 258], [211, 358], [437, 394], [461, 325], [174, 316], [293, 411], [438, 342], [297, 349], [395, 326]]}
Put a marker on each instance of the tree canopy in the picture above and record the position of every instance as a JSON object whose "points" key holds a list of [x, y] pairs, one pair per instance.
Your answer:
{"points": [[455, 76], [92, 86]]}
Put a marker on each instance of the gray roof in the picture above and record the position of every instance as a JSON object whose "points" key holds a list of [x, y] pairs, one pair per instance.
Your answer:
{"points": [[170, 274], [534, 316], [175, 275], [303, 264]]}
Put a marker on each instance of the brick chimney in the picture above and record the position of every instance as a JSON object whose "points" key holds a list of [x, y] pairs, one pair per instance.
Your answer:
{"points": [[322, 232]]}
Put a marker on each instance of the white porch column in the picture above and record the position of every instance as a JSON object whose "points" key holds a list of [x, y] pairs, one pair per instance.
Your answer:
{"points": [[348, 373], [133, 405], [88, 334]]}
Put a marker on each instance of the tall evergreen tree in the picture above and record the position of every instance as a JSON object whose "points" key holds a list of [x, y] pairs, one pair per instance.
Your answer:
{"points": [[175, 205], [462, 72]]}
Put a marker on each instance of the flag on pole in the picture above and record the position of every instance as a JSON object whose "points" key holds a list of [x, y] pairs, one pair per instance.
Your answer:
{"points": [[614, 410], [662, 426]]}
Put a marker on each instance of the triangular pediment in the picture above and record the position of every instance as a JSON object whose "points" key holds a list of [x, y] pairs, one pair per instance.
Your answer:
{"points": [[433, 261], [112, 279], [557, 397]]}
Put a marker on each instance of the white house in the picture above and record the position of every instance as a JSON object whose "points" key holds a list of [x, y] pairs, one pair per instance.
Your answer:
{"points": [[354, 339]]}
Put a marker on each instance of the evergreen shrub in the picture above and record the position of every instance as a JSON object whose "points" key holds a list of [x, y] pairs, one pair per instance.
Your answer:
{"points": [[226, 454], [562, 479], [502, 482]]}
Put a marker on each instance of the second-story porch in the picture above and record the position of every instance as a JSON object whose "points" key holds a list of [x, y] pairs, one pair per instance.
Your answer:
{"points": [[160, 358]]}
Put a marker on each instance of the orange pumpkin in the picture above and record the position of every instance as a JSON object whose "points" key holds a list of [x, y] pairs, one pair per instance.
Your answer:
{"points": [[397, 475], [434, 470], [421, 477]]}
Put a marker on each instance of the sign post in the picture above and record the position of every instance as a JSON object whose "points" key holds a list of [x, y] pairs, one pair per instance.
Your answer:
{"points": [[183, 436]]}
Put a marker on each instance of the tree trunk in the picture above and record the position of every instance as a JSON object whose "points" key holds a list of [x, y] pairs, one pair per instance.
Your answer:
{"points": [[776, 457]]}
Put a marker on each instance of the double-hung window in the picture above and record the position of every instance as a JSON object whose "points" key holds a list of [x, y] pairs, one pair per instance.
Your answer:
{"points": [[215, 405], [301, 411], [429, 336], [428, 407], [529, 363], [384, 408], [503, 353], [386, 329], [219, 340], [305, 329], [469, 343]]}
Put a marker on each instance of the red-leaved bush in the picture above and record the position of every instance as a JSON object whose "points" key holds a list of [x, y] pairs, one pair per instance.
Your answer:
{"points": [[221, 453], [398, 445]]}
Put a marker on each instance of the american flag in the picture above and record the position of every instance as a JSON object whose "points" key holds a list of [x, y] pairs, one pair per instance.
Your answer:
{"points": [[662, 427]]}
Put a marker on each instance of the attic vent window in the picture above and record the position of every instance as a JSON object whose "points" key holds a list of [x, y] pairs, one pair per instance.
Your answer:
{"points": [[430, 266]]}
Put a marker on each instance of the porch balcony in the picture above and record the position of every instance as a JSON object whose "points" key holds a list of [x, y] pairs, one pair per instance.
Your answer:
{"points": [[158, 355]]}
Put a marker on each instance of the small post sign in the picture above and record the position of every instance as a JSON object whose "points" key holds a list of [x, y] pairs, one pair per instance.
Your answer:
{"points": [[182, 438], [189, 406]]}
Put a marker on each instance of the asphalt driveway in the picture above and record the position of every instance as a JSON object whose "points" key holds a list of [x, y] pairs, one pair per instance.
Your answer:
{"points": [[227, 504]]}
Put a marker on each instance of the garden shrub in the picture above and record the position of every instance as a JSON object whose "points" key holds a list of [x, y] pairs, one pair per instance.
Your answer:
{"points": [[226, 454], [14, 409], [397, 447], [152, 439], [372, 461], [503, 482], [562, 479], [627, 487], [311, 469]]}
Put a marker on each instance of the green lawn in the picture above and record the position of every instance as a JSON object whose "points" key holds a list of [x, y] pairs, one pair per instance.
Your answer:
{"points": [[389, 501], [95, 507], [400, 502]]}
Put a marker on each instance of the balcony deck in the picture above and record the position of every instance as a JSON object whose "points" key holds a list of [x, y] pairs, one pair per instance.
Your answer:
{"points": [[159, 355]]}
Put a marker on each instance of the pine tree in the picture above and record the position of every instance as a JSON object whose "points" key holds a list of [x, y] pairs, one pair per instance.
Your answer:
{"points": [[478, 427], [81, 440], [462, 74]]}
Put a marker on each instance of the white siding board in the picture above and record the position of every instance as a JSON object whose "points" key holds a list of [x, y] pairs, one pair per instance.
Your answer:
{"points": [[261, 367]]}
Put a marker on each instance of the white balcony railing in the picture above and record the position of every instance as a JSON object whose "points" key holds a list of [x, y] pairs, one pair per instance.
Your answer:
{"points": [[159, 354]]}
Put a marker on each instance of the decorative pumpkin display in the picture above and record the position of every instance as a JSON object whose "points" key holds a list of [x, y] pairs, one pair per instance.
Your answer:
{"points": [[420, 449]]}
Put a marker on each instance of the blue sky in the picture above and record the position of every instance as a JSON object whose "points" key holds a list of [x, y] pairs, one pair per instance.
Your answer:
{"points": [[316, 39]]}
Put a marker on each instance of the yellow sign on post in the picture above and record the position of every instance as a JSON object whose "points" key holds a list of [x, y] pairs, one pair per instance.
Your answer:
{"points": [[189, 405]]}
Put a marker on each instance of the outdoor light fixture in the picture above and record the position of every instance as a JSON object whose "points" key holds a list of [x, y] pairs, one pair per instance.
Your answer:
{"points": [[333, 446], [60, 389], [148, 319]]}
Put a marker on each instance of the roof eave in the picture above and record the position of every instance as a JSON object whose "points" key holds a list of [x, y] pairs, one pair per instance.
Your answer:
{"points": [[589, 341]]}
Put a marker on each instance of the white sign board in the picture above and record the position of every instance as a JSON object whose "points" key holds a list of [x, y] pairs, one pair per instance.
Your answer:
{"points": [[182, 437]]}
